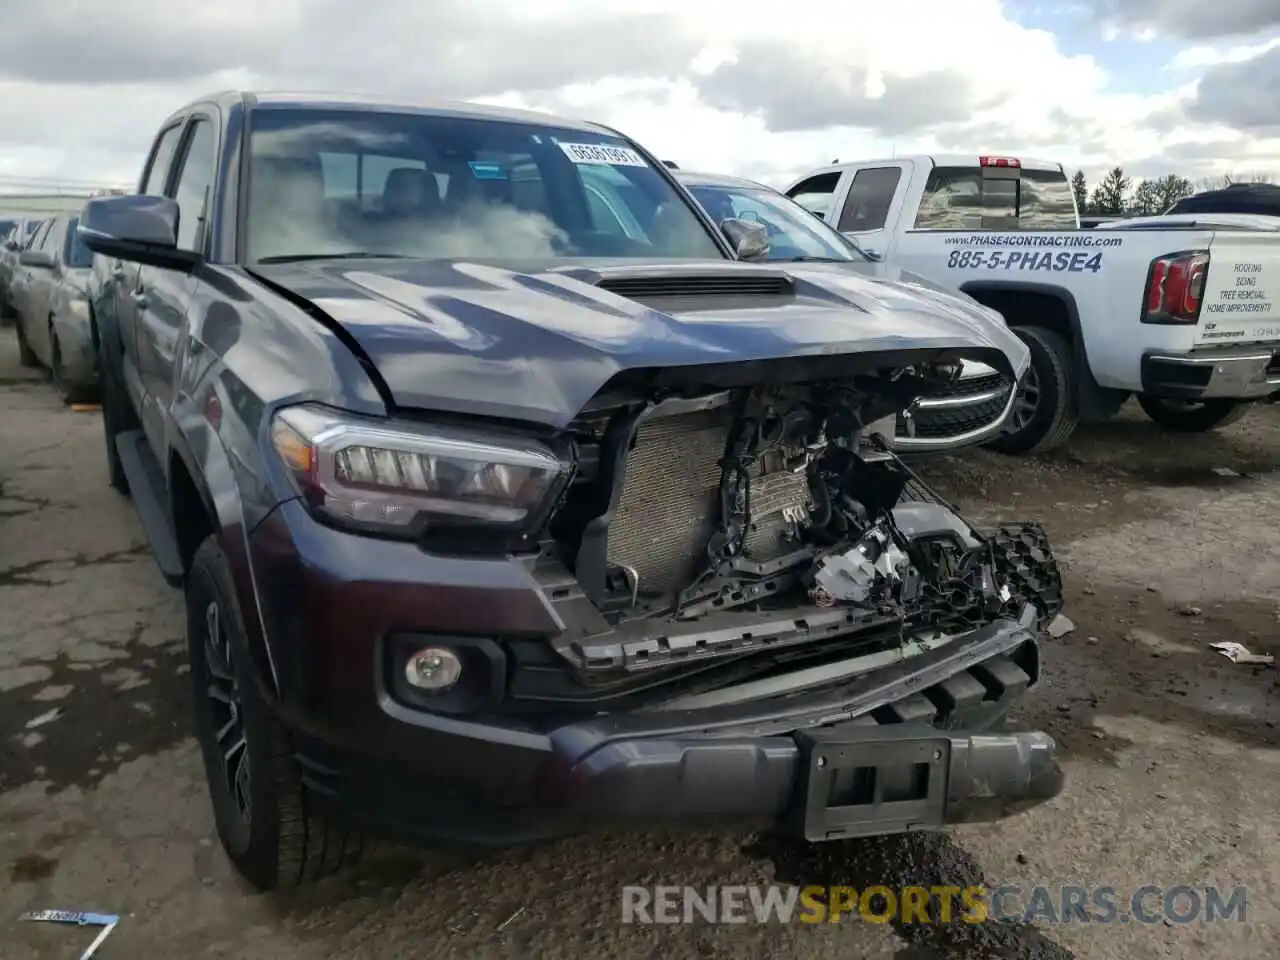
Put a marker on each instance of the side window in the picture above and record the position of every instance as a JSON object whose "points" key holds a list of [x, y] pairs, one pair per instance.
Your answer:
{"points": [[193, 184], [814, 194], [870, 197], [162, 159]]}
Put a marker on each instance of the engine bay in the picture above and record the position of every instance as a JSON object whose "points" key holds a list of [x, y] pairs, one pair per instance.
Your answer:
{"points": [[749, 515]]}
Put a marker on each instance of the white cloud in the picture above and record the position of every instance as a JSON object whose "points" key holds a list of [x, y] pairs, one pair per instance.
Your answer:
{"points": [[745, 87], [1207, 55]]}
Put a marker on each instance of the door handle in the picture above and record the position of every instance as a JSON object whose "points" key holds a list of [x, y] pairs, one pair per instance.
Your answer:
{"points": [[140, 301]]}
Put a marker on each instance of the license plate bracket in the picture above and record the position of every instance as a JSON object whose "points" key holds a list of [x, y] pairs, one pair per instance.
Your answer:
{"points": [[862, 781]]}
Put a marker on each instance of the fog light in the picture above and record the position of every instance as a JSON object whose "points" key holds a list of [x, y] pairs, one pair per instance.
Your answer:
{"points": [[433, 669]]}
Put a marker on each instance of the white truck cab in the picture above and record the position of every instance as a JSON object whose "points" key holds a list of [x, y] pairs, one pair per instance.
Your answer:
{"points": [[1182, 312]]}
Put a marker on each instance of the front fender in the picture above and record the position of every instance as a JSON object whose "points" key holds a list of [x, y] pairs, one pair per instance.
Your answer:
{"points": [[195, 437]]}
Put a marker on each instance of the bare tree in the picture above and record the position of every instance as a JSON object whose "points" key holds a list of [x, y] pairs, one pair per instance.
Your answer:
{"points": [[1224, 180]]}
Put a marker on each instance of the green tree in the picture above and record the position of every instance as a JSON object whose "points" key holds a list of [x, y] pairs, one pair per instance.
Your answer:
{"points": [[1081, 189], [1111, 196], [1145, 200], [1169, 189]]}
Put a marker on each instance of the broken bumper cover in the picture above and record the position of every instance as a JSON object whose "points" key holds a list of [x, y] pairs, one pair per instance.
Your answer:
{"points": [[1237, 373], [885, 766]]}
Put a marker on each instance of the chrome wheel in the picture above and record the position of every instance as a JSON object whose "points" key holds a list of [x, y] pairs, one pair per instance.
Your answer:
{"points": [[1026, 401], [226, 711]]}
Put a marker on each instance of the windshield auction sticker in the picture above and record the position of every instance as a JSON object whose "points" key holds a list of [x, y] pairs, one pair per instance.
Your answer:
{"points": [[602, 153]]}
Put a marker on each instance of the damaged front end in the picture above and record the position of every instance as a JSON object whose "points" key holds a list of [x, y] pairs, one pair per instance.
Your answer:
{"points": [[732, 525]]}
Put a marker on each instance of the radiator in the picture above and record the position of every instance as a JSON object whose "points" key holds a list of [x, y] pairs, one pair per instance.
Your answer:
{"points": [[670, 502]]}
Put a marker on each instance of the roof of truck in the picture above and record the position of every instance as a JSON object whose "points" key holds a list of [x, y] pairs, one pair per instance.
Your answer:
{"points": [[374, 103], [948, 160]]}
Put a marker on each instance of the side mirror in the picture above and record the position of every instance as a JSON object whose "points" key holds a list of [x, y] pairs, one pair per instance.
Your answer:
{"points": [[750, 240], [36, 258], [136, 229], [12, 245]]}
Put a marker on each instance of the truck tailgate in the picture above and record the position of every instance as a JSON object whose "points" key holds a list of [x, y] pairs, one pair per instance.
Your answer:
{"points": [[1242, 290]]}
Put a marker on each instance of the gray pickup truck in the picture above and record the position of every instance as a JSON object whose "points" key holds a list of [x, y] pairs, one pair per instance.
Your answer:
{"points": [[495, 524]]}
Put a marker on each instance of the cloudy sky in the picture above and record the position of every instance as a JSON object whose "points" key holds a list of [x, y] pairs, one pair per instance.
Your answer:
{"points": [[748, 87]]}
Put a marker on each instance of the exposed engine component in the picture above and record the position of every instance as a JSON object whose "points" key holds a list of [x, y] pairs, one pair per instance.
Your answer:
{"points": [[769, 500], [867, 572]]}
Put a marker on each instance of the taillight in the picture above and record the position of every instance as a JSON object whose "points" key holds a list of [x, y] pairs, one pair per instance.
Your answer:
{"points": [[999, 162], [1175, 287]]}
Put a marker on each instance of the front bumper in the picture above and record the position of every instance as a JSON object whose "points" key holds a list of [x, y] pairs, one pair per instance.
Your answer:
{"points": [[1235, 373], [492, 777]]}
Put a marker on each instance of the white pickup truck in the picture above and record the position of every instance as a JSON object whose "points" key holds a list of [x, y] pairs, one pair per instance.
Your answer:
{"points": [[1182, 312]]}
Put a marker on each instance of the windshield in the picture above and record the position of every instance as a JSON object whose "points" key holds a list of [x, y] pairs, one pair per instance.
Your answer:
{"points": [[403, 185], [794, 232], [76, 253]]}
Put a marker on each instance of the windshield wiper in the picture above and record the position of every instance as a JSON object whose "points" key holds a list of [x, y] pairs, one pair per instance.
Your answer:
{"points": [[816, 260], [348, 255]]}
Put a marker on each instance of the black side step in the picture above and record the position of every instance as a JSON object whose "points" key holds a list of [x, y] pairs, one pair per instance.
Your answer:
{"points": [[150, 498]]}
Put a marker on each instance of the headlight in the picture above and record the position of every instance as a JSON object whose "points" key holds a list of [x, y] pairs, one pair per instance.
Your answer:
{"points": [[409, 481]]}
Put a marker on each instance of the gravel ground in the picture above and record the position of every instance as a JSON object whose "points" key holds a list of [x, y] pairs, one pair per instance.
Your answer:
{"points": [[1171, 749]]}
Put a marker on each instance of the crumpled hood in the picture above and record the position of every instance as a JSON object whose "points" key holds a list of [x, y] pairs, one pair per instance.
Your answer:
{"points": [[896, 288], [537, 343]]}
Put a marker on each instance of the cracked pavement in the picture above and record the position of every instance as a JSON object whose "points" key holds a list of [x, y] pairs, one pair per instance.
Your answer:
{"points": [[1171, 750]]}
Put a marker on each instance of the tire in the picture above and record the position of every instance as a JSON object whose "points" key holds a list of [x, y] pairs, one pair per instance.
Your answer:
{"points": [[26, 356], [1048, 409], [1195, 416], [263, 815], [118, 416], [71, 393]]}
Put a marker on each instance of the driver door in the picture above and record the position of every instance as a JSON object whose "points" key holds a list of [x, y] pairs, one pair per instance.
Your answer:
{"points": [[129, 294]]}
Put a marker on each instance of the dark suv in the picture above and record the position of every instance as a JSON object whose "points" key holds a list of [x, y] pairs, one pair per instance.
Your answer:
{"points": [[497, 521]]}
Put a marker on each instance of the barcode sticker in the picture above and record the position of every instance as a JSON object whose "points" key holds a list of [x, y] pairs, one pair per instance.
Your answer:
{"points": [[602, 153]]}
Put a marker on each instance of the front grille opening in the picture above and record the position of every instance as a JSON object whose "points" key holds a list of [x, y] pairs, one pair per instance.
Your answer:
{"points": [[658, 288]]}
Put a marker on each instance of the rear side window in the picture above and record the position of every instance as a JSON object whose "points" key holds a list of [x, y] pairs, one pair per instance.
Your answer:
{"points": [[870, 197], [960, 198], [814, 194]]}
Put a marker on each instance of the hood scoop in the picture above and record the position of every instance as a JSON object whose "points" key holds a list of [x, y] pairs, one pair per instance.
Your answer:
{"points": [[711, 285]]}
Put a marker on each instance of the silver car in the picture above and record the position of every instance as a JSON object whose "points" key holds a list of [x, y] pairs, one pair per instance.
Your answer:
{"points": [[14, 238], [971, 410], [48, 296]]}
